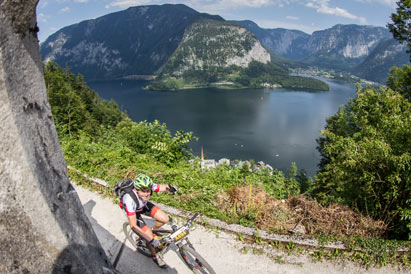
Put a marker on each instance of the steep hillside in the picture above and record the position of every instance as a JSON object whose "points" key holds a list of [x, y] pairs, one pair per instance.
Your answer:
{"points": [[343, 46], [210, 44], [376, 66], [210, 51], [136, 41], [224, 54], [286, 43]]}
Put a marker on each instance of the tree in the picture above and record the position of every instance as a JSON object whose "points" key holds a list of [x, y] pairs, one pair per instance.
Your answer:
{"points": [[401, 26], [366, 158], [75, 106], [400, 80]]}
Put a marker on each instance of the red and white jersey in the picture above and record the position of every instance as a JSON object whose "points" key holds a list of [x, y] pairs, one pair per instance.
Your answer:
{"points": [[130, 205]]}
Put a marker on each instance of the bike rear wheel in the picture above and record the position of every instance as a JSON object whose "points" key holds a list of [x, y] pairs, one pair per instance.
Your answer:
{"points": [[194, 261], [135, 240]]}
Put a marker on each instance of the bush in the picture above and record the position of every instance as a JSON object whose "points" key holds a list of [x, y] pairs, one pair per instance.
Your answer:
{"points": [[366, 158]]}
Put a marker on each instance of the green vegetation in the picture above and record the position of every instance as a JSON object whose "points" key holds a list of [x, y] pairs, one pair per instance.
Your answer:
{"points": [[256, 75], [102, 142], [400, 80], [366, 150], [74, 106], [366, 157], [365, 164], [401, 26], [86, 124]]}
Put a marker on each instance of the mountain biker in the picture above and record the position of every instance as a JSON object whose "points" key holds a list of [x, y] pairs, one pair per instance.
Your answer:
{"points": [[143, 188]]}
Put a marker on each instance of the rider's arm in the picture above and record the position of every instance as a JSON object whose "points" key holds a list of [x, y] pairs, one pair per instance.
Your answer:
{"points": [[162, 188], [132, 220]]}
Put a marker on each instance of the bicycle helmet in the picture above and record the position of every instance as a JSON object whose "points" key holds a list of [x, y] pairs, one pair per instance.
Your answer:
{"points": [[143, 182]]}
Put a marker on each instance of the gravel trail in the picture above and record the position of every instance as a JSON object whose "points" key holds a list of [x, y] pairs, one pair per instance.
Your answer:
{"points": [[221, 249]]}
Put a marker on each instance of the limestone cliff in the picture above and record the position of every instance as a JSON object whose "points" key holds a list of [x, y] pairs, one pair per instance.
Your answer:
{"points": [[43, 228]]}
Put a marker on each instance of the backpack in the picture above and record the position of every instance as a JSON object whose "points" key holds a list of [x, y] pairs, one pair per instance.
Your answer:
{"points": [[122, 188]]}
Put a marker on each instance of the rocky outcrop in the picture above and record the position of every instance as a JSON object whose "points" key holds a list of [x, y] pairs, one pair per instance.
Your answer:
{"points": [[210, 45], [376, 67], [43, 228], [284, 42]]}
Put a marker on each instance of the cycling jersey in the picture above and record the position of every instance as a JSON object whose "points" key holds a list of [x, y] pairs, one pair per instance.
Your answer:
{"points": [[130, 205]]}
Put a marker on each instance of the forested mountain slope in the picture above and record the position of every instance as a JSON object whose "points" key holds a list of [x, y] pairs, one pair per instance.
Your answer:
{"points": [[136, 41]]}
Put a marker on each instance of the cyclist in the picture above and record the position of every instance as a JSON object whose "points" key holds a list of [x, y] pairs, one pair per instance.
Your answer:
{"points": [[140, 204]]}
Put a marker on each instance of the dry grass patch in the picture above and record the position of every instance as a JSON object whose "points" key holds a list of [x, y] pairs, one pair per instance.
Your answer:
{"points": [[254, 204]]}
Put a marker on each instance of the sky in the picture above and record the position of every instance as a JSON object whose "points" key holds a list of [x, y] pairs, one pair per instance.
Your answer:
{"points": [[307, 16]]}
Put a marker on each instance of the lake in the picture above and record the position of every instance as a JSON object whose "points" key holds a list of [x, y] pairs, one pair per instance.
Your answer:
{"points": [[276, 126]]}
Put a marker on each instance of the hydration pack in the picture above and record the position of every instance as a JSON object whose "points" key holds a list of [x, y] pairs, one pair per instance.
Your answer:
{"points": [[123, 187]]}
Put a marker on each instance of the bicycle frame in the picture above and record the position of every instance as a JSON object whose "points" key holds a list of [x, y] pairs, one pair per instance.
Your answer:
{"points": [[177, 236]]}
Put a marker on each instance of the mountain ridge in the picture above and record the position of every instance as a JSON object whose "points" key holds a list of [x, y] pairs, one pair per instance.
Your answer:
{"points": [[141, 39], [131, 50]]}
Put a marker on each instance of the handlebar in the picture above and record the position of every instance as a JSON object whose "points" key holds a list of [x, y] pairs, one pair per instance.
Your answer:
{"points": [[175, 229], [192, 219]]}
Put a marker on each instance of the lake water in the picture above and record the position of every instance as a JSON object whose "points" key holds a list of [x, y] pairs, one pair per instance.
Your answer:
{"points": [[277, 126]]}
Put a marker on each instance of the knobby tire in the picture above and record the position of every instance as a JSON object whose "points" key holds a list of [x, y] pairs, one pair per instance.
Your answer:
{"points": [[194, 261], [136, 241]]}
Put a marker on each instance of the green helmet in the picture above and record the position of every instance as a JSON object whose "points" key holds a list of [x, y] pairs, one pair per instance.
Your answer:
{"points": [[143, 182]]}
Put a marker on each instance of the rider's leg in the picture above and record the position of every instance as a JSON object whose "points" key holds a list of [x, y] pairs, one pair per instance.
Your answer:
{"points": [[148, 231], [160, 217], [157, 260]]}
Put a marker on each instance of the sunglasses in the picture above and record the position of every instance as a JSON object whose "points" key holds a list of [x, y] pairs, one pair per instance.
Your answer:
{"points": [[146, 189]]}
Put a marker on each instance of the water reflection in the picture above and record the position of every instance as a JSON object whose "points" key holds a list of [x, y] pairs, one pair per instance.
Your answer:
{"points": [[276, 126]]}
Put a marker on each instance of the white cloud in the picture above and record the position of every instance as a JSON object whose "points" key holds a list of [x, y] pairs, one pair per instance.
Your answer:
{"points": [[322, 6], [65, 9], [41, 17], [272, 24], [248, 3], [129, 3], [203, 5], [292, 17], [390, 3], [81, 1], [43, 4]]}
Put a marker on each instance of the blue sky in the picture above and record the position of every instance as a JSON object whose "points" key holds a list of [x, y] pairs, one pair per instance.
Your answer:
{"points": [[307, 16]]}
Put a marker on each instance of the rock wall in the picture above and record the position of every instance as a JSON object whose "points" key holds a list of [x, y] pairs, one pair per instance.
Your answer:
{"points": [[43, 228]]}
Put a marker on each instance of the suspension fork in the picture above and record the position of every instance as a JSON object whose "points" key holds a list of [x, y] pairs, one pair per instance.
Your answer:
{"points": [[189, 243]]}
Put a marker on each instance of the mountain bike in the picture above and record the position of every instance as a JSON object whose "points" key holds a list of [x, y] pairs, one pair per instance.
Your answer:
{"points": [[175, 235]]}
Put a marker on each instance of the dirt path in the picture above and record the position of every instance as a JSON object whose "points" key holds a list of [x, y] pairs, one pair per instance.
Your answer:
{"points": [[220, 249]]}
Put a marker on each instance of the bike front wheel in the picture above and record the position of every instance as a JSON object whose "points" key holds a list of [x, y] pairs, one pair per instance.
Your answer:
{"points": [[130, 235], [194, 260]]}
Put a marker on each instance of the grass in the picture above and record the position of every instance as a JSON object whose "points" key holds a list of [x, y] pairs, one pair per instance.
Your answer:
{"points": [[235, 196]]}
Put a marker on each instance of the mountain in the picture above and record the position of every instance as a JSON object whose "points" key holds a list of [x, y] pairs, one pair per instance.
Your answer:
{"points": [[343, 46], [366, 51], [210, 44], [136, 41], [340, 47], [140, 40], [376, 66], [225, 55], [286, 43], [211, 49]]}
